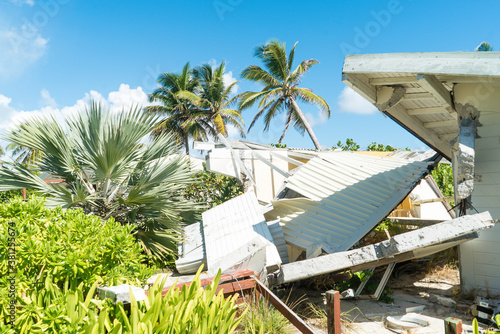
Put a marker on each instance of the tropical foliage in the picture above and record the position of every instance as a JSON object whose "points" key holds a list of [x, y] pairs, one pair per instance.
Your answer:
{"points": [[280, 92], [350, 145], [213, 189], [68, 246], [50, 308], [443, 175], [110, 169], [195, 104], [484, 46]]}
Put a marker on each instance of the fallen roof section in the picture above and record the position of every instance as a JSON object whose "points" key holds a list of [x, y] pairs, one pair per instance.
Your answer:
{"points": [[191, 250], [337, 197], [236, 235], [402, 247]]}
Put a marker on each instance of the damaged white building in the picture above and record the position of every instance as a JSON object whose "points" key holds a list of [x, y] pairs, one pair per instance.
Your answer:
{"points": [[451, 102]]}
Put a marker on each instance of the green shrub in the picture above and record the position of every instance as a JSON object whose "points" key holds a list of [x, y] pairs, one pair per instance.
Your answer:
{"points": [[51, 309], [68, 245]]}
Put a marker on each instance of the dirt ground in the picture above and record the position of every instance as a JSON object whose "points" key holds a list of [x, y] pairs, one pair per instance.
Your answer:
{"points": [[413, 288]]}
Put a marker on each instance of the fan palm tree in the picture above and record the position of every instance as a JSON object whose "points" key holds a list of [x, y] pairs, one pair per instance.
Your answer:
{"points": [[182, 117], [110, 170], [280, 90], [215, 99]]}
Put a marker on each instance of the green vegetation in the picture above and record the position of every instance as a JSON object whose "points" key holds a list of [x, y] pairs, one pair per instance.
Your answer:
{"points": [[213, 189], [68, 246], [51, 309], [349, 145], [443, 175], [263, 318], [195, 104], [280, 89], [110, 170], [484, 46]]}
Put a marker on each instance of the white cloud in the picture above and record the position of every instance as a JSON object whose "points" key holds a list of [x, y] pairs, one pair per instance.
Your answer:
{"points": [[47, 100], [229, 79], [124, 98], [351, 102], [313, 120], [22, 2], [20, 49]]}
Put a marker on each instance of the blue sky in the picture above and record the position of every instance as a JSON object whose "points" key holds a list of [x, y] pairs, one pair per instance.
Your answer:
{"points": [[57, 54]]}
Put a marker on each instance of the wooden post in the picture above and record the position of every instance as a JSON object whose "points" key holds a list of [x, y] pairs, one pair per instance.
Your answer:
{"points": [[333, 311], [452, 326], [24, 193]]}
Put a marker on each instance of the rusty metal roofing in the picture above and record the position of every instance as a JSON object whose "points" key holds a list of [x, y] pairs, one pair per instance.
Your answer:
{"points": [[338, 197]]}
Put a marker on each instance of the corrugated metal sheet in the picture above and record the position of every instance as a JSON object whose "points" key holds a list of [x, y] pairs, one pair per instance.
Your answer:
{"points": [[231, 225], [345, 196], [279, 239], [192, 250]]}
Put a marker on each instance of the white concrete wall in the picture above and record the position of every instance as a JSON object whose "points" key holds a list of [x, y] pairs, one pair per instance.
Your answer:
{"points": [[480, 258]]}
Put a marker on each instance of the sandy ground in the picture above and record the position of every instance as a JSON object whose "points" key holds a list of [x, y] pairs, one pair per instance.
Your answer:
{"points": [[412, 288]]}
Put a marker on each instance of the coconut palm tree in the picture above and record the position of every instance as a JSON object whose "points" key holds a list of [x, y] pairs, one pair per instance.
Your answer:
{"points": [[22, 154], [215, 99], [280, 90], [182, 118], [110, 170]]}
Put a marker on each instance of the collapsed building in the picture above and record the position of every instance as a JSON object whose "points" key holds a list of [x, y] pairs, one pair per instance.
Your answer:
{"points": [[304, 211]]}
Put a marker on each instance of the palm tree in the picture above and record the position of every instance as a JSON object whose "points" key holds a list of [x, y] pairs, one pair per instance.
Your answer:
{"points": [[23, 155], [215, 99], [110, 170], [183, 118], [484, 46], [281, 92]]}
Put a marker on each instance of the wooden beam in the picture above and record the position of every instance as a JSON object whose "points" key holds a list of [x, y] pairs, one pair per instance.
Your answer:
{"points": [[431, 238], [415, 126], [448, 136], [283, 308], [361, 85], [428, 111], [436, 88], [286, 158], [392, 81], [417, 96], [439, 124], [270, 164]]}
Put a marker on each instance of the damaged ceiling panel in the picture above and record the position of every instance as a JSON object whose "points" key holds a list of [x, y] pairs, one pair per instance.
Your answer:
{"points": [[338, 197]]}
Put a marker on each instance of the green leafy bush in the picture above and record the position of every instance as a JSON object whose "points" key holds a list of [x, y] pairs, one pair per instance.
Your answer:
{"points": [[50, 309], [68, 245]]}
